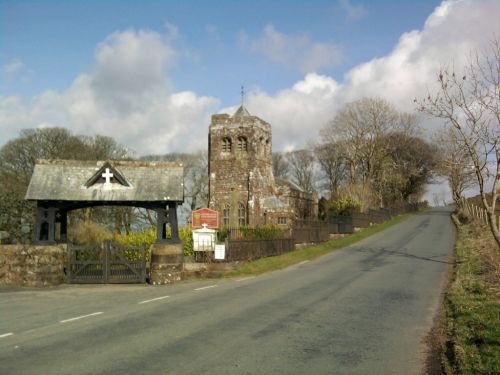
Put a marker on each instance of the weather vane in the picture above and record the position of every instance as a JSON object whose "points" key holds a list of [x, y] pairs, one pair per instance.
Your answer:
{"points": [[242, 95]]}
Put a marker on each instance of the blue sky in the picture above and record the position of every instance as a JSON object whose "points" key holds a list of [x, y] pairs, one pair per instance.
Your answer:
{"points": [[56, 40], [151, 73]]}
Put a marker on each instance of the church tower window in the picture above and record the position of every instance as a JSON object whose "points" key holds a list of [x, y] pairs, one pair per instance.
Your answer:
{"points": [[242, 144], [226, 144]]}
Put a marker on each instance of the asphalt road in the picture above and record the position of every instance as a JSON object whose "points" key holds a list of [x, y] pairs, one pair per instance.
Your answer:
{"points": [[362, 310]]}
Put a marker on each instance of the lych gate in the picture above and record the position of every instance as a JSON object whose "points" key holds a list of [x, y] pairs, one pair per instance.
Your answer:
{"points": [[60, 186]]}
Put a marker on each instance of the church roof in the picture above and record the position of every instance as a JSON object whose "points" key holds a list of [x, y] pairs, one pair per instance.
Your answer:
{"points": [[273, 202], [113, 181], [242, 112]]}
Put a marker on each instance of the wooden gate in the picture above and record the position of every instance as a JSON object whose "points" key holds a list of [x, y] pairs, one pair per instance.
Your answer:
{"points": [[106, 263]]}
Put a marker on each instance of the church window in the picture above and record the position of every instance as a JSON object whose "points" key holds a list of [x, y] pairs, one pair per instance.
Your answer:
{"points": [[225, 215], [242, 217], [282, 220], [242, 144], [226, 144]]}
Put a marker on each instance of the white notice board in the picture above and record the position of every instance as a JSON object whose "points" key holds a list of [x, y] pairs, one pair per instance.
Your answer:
{"points": [[220, 251]]}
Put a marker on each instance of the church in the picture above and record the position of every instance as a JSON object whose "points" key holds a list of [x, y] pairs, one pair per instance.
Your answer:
{"points": [[242, 187]]}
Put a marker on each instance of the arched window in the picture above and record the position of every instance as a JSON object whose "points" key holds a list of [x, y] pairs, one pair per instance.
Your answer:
{"points": [[242, 215], [225, 215], [226, 144], [242, 144]]}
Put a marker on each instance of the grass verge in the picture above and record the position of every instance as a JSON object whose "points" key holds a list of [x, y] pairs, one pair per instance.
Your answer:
{"points": [[310, 252], [472, 305]]}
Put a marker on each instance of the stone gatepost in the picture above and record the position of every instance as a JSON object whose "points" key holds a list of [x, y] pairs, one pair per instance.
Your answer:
{"points": [[166, 263]]}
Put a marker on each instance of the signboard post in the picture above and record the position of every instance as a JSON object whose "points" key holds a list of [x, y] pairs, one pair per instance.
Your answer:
{"points": [[205, 216]]}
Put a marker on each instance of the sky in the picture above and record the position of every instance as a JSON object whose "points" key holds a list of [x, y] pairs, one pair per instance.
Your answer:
{"points": [[151, 73]]}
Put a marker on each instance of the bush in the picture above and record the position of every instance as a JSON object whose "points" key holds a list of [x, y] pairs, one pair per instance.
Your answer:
{"points": [[262, 232], [148, 237], [91, 233], [343, 206], [186, 236], [87, 233]]}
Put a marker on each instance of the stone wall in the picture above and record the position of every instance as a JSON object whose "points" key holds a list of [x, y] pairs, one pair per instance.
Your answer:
{"points": [[242, 186], [29, 265], [240, 166], [166, 263], [304, 204]]}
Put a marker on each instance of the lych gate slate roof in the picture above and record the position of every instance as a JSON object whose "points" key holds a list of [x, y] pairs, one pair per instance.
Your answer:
{"points": [[127, 181]]}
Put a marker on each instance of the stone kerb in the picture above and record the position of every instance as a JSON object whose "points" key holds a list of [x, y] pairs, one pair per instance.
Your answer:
{"points": [[166, 263], [34, 266]]}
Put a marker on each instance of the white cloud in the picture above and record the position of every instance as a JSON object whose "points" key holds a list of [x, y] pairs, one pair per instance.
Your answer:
{"points": [[12, 68], [450, 33], [353, 12], [296, 113], [127, 96], [299, 52]]}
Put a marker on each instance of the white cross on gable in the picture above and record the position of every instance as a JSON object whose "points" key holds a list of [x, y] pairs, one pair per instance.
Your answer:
{"points": [[107, 175]]}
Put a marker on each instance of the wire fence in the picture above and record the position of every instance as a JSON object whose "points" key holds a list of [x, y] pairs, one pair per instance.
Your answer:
{"points": [[477, 213], [346, 224]]}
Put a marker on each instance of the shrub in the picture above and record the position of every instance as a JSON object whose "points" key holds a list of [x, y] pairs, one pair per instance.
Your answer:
{"points": [[343, 206], [186, 236], [88, 233], [148, 237], [262, 232]]}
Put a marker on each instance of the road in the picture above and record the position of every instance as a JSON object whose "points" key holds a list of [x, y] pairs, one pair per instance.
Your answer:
{"points": [[364, 309]]}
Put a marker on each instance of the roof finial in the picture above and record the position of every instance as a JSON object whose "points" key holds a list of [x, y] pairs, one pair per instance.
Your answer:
{"points": [[242, 95]]}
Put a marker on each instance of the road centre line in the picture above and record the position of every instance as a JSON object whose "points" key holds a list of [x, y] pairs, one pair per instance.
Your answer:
{"points": [[153, 299], [6, 335], [81, 317], [206, 287]]}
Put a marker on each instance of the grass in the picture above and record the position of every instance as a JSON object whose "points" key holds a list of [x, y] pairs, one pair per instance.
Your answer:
{"points": [[310, 252], [472, 305]]}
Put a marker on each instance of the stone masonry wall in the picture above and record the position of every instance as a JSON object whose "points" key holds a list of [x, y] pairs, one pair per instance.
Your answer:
{"points": [[28, 265], [241, 175]]}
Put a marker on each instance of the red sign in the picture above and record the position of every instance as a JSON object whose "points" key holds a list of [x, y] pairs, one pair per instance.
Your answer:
{"points": [[205, 216]]}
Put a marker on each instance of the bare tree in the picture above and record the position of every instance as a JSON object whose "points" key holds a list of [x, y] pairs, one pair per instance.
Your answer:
{"points": [[470, 103], [455, 163], [332, 165], [361, 125], [302, 168], [280, 165], [195, 179], [364, 136]]}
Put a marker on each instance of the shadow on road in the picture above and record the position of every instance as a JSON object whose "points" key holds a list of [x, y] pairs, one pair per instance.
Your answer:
{"points": [[380, 252]]}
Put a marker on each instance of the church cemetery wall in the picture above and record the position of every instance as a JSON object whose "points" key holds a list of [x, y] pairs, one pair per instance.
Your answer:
{"points": [[29, 265]]}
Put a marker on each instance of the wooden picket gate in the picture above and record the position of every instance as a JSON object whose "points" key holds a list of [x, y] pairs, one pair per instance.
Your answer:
{"points": [[105, 263]]}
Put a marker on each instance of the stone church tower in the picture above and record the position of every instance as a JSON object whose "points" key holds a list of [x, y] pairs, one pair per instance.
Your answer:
{"points": [[240, 167], [242, 186]]}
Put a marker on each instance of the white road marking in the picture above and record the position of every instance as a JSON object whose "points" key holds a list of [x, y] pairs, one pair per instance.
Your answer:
{"points": [[153, 299], [81, 317], [303, 262], [245, 278], [206, 287], [6, 335]]}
